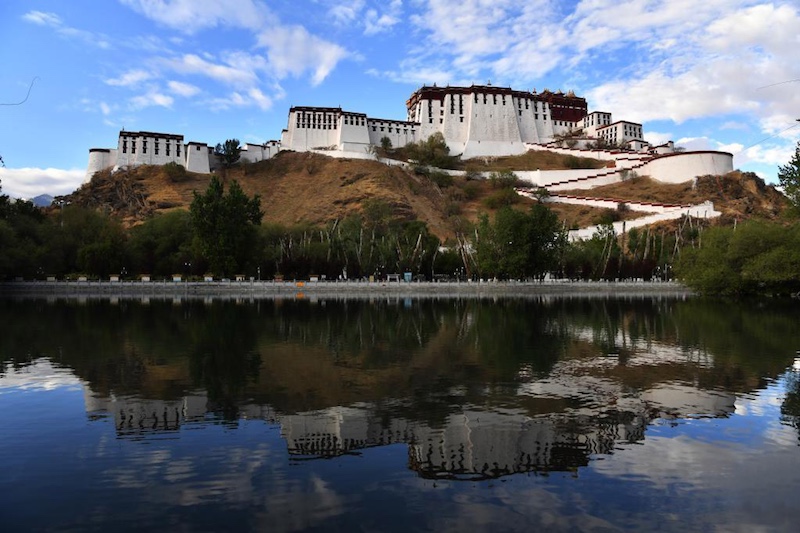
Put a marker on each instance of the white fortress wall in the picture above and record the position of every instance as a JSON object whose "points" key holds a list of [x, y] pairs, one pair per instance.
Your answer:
{"points": [[527, 110], [704, 210], [149, 148], [253, 153], [100, 159], [684, 166], [455, 120], [354, 136], [543, 178], [313, 127], [589, 183], [493, 126], [399, 133], [430, 113], [611, 204], [197, 159]]}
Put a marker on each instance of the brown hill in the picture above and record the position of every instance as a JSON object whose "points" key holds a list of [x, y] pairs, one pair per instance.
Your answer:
{"points": [[306, 188]]}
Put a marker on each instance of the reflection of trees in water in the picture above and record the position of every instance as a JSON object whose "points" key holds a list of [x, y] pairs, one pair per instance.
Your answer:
{"points": [[790, 408], [223, 355], [434, 355]]}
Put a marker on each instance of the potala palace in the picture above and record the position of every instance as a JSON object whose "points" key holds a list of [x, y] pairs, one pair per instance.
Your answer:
{"points": [[476, 121]]}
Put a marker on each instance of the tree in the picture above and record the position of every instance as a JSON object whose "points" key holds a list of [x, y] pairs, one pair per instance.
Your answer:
{"points": [[789, 178], [386, 143], [431, 152], [224, 225], [229, 152], [518, 244]]}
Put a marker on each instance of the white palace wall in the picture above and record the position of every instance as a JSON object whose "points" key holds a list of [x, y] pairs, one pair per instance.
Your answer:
{"points": [[148, 148], [683, 166], [197, 158], [99, 159]]}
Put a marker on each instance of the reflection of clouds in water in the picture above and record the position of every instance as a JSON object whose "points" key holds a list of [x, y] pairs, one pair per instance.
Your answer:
{"points": [[296, 505], [759, 483], [511, 507], [237, 477], [41, 374]]}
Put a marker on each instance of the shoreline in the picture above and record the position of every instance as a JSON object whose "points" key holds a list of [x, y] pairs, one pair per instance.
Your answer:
{"points": [[339, 289]]}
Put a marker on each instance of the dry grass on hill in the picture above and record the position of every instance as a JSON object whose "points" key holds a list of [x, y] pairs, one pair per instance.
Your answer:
{"points": [[738, 195], [532, 160], [306, 188]]}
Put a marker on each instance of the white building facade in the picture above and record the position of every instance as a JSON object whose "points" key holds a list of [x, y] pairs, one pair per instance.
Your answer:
{"points": [[136, 148]]}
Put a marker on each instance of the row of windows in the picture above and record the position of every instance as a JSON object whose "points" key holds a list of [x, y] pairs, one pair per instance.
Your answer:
{"points": [[354, 121], [397, 130], [315, 126], [155, 147]]}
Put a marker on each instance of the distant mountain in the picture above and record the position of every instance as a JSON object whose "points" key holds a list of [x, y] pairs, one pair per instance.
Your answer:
{"points": [[43, 200]]}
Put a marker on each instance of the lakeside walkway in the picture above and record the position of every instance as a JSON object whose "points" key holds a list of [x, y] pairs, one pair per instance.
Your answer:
{"points": [[340, 289]]}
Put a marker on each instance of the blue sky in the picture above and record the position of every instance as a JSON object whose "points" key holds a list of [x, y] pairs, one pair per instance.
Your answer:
{"points": [[717, 74]]}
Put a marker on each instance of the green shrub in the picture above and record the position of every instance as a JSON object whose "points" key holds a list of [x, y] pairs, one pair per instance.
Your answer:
{"points": [[442, 179], [471, 190], [174, 171], [502, 198], [505, 179]]}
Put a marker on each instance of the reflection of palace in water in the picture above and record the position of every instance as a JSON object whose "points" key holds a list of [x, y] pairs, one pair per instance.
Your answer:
{"points": [[473, 443]]}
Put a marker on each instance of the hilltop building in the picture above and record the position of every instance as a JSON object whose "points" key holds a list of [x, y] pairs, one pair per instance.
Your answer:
{"points": [[475, 121], [149, 148]]}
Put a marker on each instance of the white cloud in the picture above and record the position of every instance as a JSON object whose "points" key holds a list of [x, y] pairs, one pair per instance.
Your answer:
{"points": [[54, 21], [292, 50], [191, 16], [251, 97], [152, 98], [130, 78], [183, 89], [30, 182], [105, 109], [346, 12], [194, 64], [43, 18]]}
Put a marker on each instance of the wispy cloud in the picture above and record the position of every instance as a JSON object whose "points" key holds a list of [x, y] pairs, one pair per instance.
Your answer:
{"points": [[130, 78], [152, 98], [52, 20], [43, 18], [191, 16], [183, 89], [192, 64]]}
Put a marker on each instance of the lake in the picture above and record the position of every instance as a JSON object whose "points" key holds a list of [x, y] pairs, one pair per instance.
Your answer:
{"points": [[399, 414]]}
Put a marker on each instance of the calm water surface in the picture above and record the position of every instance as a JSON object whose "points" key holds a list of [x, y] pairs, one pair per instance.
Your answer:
{"points": [[399, 415]]}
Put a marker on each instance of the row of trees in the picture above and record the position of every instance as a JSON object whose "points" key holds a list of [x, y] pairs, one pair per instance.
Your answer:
{"points": [[222, 234]]}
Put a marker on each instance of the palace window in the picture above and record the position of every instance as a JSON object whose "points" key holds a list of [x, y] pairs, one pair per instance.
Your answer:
{"points": [[124, 146], [133, 146], [167, 147], [144, 147], [198, 148], [177, 149], [156, 147]]}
